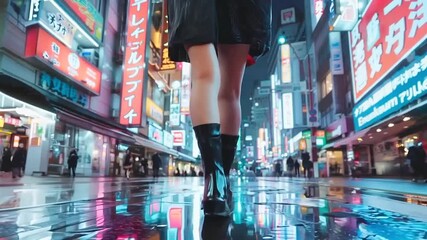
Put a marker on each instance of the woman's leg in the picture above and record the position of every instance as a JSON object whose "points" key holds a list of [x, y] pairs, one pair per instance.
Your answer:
{"points": [[205, 116], [232, 60], [205, 84]]}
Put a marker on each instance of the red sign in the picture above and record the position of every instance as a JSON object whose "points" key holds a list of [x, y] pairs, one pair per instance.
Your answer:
{"points": [[48, 49], [131, 107], [178, 137], [395, 28]]}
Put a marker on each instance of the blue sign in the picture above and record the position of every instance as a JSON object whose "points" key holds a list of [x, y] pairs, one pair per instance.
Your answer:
{"points": [[405, 87], [63, 89]]}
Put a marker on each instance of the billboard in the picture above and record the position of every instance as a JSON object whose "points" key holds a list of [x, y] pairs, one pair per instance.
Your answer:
{"points": [[403, 88], [337, 63], [287, 16], [48, 49], [285, 58], [175, 108], [388, 32], [178, 137], [288, 111], [90, 16], [131, 107], [344, 14]]}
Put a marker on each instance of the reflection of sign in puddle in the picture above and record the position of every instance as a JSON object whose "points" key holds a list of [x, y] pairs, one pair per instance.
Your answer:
{"points": [[301, 202]]}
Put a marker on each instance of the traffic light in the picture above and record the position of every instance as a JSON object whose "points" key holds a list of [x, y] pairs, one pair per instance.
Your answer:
{"points": [[282, 40]]}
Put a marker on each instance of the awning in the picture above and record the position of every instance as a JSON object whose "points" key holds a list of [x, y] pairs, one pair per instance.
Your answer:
{"points": [[94, 126], [186, 157], [351, 139], [154, 145]]}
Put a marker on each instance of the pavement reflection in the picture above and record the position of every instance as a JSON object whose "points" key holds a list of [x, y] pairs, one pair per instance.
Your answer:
{"points": [[171, 209]]}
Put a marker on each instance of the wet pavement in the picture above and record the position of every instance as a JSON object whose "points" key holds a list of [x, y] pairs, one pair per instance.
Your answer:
{"points": [[170, 209]]}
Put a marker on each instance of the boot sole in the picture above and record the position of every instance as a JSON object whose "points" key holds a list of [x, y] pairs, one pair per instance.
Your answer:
{"points": [[216, 208]]}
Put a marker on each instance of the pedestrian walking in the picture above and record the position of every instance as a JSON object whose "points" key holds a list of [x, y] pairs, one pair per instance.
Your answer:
{"points": [[127, 164], [6, 164], [297, 166], [417, 161], [305, 156], [73, 158], [157, 162], [217, 37], [19, 160], [290, 164]]}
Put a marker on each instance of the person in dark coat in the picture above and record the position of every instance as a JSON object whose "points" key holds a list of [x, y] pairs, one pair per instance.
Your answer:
{"points": [[127, 164], [305, 156], [290, 165], [73, 158], [18, 161], [157, 161], [6, 164], [417, 156], [297, 168]]}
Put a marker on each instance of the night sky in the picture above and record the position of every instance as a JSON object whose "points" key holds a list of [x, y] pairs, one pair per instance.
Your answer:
{"points": [[259, 71]]}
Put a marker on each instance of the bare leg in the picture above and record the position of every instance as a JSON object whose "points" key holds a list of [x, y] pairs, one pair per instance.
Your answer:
{"points": [[232, 60], [205, 84]]}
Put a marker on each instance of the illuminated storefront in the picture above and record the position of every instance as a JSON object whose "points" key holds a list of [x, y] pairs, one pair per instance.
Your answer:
{"points": [[389, 68]]}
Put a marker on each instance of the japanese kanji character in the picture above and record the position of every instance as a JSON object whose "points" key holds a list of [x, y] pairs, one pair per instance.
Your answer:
{"points": [[134, 22], [56, 85], [135, 85], [129, 99], [73, 94], [359, 53], [361, 77], [45, 81], [138, 4], [415, 70], [135, 71], [373, 29], [137, 31], [83, 99], [130, 115], [55, 48], [134, 58], [65, 89], [375, 60], [392, 5], [396, 35], [355, 36], [418, 15]]}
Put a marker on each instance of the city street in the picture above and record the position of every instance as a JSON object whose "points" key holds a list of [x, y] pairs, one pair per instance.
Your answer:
{"points": [[170, 208]]}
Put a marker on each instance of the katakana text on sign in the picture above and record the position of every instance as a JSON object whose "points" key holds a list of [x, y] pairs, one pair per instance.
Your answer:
{"points": [[131, 105]]}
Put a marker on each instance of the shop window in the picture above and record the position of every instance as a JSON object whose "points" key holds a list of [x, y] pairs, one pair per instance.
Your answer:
{"points": [[327, 85]]}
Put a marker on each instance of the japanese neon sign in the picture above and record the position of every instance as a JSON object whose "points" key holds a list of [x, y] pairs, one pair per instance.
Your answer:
{"points": [[51, 51], [395, 28], [131, 107]]}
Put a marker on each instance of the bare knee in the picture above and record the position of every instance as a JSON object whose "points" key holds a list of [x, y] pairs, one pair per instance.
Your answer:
{"points": [[229, 95], [205, 75]]}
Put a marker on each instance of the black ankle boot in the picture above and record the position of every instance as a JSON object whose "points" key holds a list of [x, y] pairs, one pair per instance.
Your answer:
{"points": [[215, 193], [229, 145]]}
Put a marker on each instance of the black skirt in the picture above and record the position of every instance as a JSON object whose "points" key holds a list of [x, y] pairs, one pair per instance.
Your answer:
{"points": [[195, 22]]}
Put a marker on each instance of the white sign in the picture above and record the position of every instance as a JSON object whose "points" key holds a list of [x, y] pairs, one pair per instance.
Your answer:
{"points": [[178, 137], [337, 64], [287, 16], [175, 108], [35, 7], [288, 111], [285, 58], [185, 88], [167, 139]]}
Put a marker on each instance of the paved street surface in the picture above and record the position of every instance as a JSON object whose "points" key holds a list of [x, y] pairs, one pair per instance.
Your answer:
{"points": [[170, 209]]}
